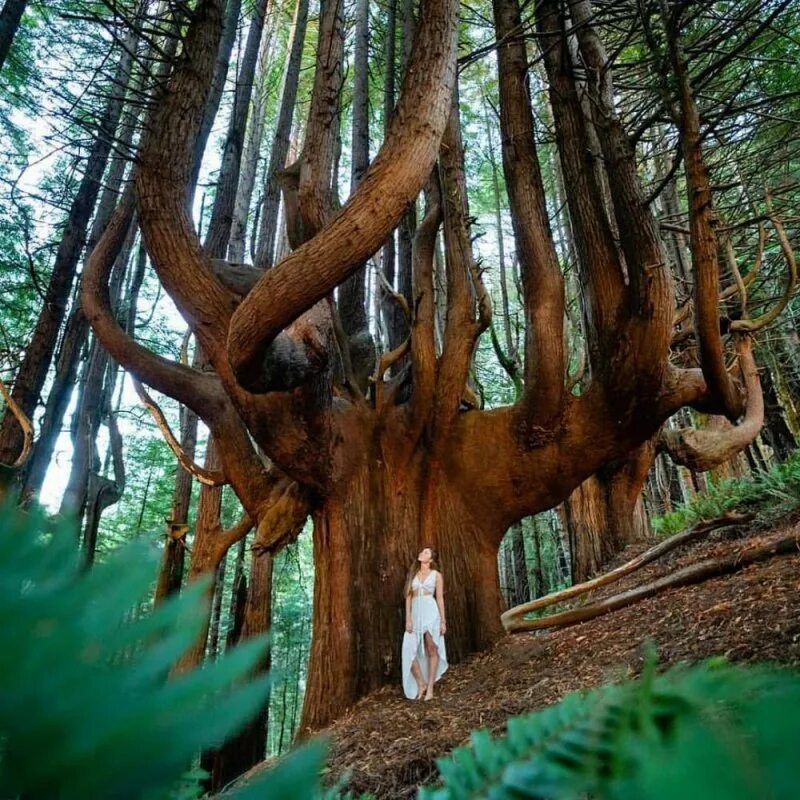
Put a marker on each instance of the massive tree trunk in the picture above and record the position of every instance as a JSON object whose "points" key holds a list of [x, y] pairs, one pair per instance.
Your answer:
{"points": [[366, 535], [383, 474], [606, 513]]}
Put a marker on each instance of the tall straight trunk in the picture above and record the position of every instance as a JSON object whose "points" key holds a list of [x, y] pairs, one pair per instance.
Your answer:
{"points": [[539, 584], [101, 491], [255, 137], [216, 610], [76, 330], [268, 227], [232, 10], [777, 433], [522, 588], [352, 306], [606, 513], [249, 746], [297, 679], [32, 372], [501, 248], [238, 596], [10, 18], [94, 391], [219, 229], [392, 322], [170, 575], [205, 557]]}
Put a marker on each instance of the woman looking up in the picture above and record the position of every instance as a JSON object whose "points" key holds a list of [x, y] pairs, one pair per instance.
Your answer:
{"points": [[424, 658]]}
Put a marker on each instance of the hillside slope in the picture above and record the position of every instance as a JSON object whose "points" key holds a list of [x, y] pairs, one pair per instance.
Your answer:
{"points": [[390, 744]]}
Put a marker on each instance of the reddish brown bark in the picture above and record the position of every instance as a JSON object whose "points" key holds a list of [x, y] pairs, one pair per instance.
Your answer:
{"points": [[381, 475]]}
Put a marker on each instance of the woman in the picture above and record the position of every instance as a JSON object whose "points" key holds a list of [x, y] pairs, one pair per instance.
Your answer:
{"points": [[424, 656]]}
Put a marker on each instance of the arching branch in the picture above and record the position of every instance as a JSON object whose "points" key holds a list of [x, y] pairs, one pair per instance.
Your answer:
{"points": [[197, 390], [24, 423], [701, 450], [204, 476], [753, 325], [392, 181], [702, 226]]}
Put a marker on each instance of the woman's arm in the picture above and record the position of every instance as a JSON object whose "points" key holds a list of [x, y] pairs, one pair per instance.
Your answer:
{"points": [[440, 598], [408, 611]]}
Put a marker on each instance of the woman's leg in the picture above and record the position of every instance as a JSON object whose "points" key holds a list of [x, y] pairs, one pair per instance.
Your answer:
{"points": [[416, 671], [432, 652]]}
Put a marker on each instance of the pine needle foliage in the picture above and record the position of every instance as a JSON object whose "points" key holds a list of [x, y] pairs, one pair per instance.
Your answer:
{"points": [[87, 707], [711, 730]]}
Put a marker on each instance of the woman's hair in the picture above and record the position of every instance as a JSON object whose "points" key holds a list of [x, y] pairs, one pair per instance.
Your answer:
{"points": [[413, 569]]}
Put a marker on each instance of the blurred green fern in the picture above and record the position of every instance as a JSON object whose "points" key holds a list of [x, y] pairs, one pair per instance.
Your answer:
{"points": [[86, 709], [710, 731]]}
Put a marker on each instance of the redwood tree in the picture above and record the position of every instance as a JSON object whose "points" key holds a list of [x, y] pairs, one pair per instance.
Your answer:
{"points": [[406, 463]]}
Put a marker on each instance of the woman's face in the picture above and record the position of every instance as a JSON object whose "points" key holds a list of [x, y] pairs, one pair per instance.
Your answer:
{"points": [[425, 555]]}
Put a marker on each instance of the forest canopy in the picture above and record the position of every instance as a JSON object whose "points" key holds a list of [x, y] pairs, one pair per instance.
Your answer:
{"points": [[292, 288]]}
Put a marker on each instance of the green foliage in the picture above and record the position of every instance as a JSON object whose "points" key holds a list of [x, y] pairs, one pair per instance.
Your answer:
{"points": [[712, 730], [86, 708], [779, 485]]}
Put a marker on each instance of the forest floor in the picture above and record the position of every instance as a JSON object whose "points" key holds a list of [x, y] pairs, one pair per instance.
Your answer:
{"points": [[390, 744]]}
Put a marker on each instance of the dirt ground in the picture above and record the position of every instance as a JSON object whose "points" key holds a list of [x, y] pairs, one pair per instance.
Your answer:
{"points": [[390, 744]]}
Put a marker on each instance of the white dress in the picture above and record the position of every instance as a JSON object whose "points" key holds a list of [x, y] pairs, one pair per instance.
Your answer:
{"points": [[424, 617]]}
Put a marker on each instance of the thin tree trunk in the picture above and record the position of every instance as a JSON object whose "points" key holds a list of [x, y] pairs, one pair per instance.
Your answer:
{"points": [[10, 18], [77, 329], [232, 10], [248, 747], [219, 229], [216, 610], [32, 372], [522, 589], [255, 137], [268, 228], [91, 403]]}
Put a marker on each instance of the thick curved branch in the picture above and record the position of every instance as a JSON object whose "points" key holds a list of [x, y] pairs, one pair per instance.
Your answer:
{"points": [[392, 181], [701, 450], [204, 476], [166, 155], [597, 255], [465, 289], [197, 390], [542, 281], [703, 237], [24, 423], [753, 325]]}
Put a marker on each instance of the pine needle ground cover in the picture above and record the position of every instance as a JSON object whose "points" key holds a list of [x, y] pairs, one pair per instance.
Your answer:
{"points": [[392, 745]]}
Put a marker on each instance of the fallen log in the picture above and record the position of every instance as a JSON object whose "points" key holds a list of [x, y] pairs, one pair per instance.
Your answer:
{"points": [[694, 573], [659, 550]]}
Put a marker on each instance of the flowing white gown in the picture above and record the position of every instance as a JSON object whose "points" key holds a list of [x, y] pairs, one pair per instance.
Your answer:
{"points": [[424, 617]]}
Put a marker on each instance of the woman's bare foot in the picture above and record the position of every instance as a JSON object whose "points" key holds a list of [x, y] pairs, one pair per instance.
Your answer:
{"points": [[429, 693], [420, 690]]}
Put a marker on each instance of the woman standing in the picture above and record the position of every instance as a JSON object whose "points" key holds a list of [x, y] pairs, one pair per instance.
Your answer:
{"points": [[424, 657]]}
